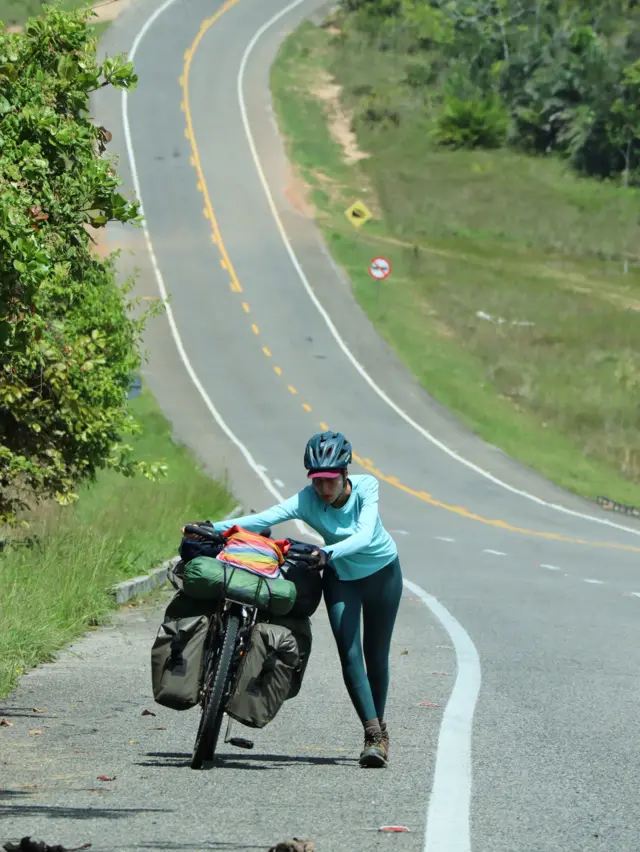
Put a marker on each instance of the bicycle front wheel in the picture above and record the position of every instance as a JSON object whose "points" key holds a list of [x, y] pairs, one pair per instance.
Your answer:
{"points": [[213, 709]]}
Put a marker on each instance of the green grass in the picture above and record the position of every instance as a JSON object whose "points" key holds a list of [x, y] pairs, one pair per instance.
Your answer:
{"points": [[119, 528], [514, 237], [17, 12]]}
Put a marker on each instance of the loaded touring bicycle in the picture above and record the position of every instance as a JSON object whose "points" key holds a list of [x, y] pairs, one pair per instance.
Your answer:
{"points": [[236, 637]]}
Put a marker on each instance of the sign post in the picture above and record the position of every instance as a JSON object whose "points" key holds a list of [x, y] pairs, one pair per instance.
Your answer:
{"points": [[379, 269]]}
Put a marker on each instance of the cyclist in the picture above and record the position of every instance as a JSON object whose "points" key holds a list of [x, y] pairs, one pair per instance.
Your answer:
{"points": [[362, 575]]}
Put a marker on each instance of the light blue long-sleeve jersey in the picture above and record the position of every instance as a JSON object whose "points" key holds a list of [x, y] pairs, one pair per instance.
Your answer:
{"points": [[354, 537]]}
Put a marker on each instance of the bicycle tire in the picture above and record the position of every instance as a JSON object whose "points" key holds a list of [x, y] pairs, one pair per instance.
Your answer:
{"points": [[213, 710]]}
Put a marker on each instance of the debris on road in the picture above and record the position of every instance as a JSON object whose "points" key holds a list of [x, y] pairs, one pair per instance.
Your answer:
{"points": [[105, 778], [393, 828], [29, 845], [147, 713], [4, 723], [294, 845]]}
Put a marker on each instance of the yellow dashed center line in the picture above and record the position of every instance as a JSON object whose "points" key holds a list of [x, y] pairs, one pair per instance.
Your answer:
{"points": [[236, 287], [291, 389], [369, 466], [254, 328]]}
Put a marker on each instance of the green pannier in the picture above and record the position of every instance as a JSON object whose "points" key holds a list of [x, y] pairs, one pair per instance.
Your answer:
{"points": [[178, 650], [182, 606], [267, 675], [176, 661], [206, 578], [301, 629]]}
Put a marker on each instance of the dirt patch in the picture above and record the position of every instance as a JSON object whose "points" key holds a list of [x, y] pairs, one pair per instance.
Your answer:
{"points": [[297, 194], [327, 91]]}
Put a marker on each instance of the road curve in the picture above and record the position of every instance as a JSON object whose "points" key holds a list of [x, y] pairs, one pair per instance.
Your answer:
{"points": [[545, 597]]}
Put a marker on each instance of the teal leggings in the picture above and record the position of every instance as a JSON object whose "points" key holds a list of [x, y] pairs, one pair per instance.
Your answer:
{"points": [[376, 598]]}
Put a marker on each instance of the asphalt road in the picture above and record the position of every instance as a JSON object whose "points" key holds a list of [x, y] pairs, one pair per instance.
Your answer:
{"points": [[538, 597]]}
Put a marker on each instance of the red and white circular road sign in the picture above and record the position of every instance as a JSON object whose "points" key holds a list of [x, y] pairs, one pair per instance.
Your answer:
{"points": [[380, 268]]}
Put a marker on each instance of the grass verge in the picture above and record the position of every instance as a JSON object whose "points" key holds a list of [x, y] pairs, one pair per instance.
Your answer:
{"points": [[508, 297], [119, 528]]}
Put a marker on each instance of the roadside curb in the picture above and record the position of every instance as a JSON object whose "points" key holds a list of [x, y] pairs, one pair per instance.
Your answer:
{"points": [[146, 583]]}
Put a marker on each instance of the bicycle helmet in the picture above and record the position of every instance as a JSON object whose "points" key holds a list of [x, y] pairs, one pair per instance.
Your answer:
{"points": [[327, 454]]}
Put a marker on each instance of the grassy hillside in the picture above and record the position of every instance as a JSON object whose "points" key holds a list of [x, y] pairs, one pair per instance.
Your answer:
{"points": [[508, 296]]}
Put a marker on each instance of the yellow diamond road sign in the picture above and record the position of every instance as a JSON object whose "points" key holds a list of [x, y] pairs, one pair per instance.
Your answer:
{"points": [[358, 214]]}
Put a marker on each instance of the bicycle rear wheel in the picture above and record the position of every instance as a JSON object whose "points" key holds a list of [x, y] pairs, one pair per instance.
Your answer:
{"points": [[213, 709]]}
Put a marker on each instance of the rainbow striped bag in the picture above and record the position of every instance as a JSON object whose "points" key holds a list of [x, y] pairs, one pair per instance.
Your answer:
{"points": [[253, 552]]}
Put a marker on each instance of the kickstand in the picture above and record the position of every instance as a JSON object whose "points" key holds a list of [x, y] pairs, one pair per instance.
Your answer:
{"points": [[227, 736], [238, 742]]}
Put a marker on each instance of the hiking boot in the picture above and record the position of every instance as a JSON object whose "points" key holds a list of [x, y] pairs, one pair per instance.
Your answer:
{"points": [[376, 749], [385, 738]]}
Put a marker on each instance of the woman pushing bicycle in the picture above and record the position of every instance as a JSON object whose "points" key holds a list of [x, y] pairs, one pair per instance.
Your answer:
{"points": [[361, 577]]}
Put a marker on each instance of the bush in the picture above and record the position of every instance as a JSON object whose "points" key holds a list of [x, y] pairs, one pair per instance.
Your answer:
{"points": [[466, 123], [68, 344]]}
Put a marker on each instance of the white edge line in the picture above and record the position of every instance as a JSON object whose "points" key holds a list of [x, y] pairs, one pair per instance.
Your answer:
{"points": [[449, 804], [334, 331], [163, 291], [448, 814]]}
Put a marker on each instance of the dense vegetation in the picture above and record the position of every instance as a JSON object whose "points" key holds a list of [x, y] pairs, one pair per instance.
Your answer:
{"points": [[68, 338], [541, 75]]}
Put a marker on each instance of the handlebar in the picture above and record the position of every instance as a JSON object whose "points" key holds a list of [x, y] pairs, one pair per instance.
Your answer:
{"points": [[208, 532], [204, 532]]}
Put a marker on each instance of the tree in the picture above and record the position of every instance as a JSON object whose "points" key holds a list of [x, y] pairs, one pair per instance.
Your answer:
{"points": [[68, 339], [624, 122]]}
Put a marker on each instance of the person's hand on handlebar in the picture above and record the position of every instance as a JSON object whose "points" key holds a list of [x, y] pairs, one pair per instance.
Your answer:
{"points": [[192, 535], [321, 558]]}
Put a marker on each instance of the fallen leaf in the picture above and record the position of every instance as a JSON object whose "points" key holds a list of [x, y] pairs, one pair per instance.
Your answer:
{"points": [[427, 704], [106, 778], [147, 713], [403, 653], [35, 732], [35, 710], [27, 786], [134, 742], [441, 673], [395, 828], [158, 729], [4, 723]]}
